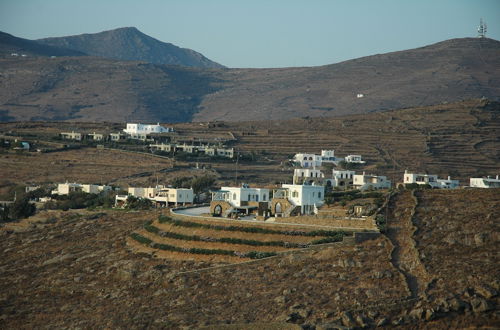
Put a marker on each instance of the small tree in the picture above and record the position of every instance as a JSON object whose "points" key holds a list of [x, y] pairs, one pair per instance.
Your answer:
{"points": [[21, 208]]}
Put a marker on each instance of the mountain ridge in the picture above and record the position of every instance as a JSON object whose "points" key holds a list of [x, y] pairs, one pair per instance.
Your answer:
{"points": [[10, 44], [128, 43], [98, 89]]}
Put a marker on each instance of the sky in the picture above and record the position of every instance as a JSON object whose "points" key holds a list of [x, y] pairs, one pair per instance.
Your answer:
{"points": [[262, 33]]}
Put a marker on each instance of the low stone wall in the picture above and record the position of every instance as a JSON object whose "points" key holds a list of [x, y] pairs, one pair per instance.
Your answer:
{"points": [[367, 223]]}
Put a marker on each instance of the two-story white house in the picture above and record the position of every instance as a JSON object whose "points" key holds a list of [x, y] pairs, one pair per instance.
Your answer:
{"points": [[342, 179], [298, 198], [307, 175], [174, 196], [239, 200], [308, 160], [240, 196], [370, 181]]}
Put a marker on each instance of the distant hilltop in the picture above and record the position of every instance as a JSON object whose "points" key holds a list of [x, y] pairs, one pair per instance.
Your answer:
{"points": [[98, 88], [129, 43]]}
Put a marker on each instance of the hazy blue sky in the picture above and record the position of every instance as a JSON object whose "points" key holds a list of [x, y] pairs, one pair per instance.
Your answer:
{"points": [[262, 33]]}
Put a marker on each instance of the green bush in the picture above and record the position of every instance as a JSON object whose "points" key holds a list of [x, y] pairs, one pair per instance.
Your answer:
{"points": [[228, 240], [141, 239], [167, 247]]}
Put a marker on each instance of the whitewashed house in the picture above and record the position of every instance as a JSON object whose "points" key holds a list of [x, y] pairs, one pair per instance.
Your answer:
{"points": [[307, 175], [342, 179], [240, 196], [356, 159], [117, 137], [95, 136], [136, 128], [370, 181], [304, 198], [71, 136], [174, 196], [429, 179], [166, 147], [233, 201], [308, 160], [162, 196], [485, 182], [66, 188], [328, 156]]}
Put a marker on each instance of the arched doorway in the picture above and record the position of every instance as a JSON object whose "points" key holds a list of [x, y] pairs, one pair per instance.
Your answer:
{"points": [[278, 208], [217, 210]]}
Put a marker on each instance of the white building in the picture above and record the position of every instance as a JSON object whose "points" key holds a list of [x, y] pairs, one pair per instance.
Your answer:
{"points": [[342, 179], [175, 196], [136, 128], [240, 196], [117, 137], [66, 188], [354, 159], [308, 175], [139, 192], [308, 160], [328, 156], [163, 196], [364, 182], [305, 197], [429, 179], [71, 136], [95, 136], [485, 182]]}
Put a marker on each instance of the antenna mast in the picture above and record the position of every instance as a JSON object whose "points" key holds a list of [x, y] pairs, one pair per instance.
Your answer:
{"points": [[481, 30]]}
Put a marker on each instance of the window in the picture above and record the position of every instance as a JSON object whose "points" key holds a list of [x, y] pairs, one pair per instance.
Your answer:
{"points": [[319, 195], [264, 197], [234, 196]]}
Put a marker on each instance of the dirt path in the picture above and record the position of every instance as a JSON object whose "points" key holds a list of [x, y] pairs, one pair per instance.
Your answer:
{"points": [[400, 230]]}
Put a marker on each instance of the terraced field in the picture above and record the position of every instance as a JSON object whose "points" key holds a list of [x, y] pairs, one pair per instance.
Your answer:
{"points": [[459, 139], [220, 241]]}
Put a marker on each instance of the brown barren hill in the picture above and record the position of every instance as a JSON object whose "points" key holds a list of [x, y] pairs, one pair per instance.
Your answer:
{"points": [[96, 89]]}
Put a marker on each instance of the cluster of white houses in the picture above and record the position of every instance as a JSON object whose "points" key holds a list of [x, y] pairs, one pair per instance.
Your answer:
{"points": [[299, 198], [143, 132], [209, 150], [133, 131]]}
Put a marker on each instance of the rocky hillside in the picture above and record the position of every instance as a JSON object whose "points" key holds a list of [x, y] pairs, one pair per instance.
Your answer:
{"points": [[98, 89], [447, 71], [130, 44], [10, 45], [436, 268]]}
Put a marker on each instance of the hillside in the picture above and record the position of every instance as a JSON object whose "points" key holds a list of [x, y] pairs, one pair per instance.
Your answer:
{"points": [[10, 44], [457, 139], [98, 89], [435, 268], [444, 72], [130, 44]]}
